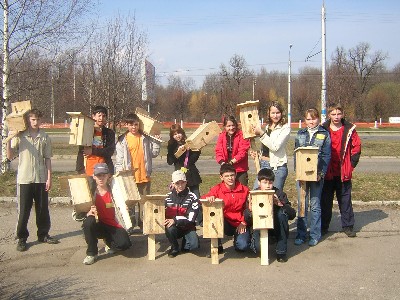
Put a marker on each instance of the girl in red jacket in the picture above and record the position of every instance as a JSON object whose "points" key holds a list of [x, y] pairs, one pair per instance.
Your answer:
{"points": [[232, 148]]}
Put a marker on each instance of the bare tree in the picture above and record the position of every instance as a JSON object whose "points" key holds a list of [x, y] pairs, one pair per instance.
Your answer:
{"points": [[28, 25], [112, 68]]}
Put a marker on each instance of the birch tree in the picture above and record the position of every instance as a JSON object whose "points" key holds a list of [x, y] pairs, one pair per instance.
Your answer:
{"points": [[45, 26]]}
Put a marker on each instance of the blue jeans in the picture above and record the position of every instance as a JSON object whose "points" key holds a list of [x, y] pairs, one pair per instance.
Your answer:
{"points": [[241, 241], [190, 239], [280, 175], [313, 198], [280, 231]]}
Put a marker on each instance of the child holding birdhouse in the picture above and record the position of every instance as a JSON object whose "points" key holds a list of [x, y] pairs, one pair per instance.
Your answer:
{"points": [[316, 136]]}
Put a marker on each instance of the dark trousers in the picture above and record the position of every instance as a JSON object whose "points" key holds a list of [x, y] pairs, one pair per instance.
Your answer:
{"points": [[343, 195], [116, 238], [27, 194], [241, 241], [280, 231], [189, 242], [243, 178]]}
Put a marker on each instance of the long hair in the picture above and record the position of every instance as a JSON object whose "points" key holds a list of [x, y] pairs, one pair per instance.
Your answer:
{"points": [[176, 128], [279, 107]]}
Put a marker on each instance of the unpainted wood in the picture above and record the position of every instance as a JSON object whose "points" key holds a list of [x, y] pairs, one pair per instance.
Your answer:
{"points": [[248, 112], [154, 214], [306, 163], [81, 129], [81, 196], [264, 247], [213, 219], [262, 209], [151, 247], [214, 251]]}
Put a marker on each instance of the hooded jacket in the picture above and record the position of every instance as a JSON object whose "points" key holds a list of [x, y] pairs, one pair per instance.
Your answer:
{"points": [[350, 151]]}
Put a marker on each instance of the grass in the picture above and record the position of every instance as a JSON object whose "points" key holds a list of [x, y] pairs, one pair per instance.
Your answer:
{"points": [[367, 187]]}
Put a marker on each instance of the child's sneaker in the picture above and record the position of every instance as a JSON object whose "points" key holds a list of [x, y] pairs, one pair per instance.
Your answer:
{"points": [[312, 242], [109, 250], [298, 242], [282, 258], [89, 260]]}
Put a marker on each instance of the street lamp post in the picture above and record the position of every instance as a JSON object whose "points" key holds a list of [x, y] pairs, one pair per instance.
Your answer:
{"points": [[289, 89]]}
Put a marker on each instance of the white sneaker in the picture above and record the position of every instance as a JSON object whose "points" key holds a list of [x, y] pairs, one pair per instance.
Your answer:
{"points": [[109, 250], [90, 260]]}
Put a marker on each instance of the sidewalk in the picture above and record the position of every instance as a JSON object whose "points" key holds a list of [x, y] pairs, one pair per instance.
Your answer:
{"points": [[365, 267]]}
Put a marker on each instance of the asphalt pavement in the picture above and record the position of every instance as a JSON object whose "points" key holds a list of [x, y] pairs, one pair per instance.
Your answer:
{"points": [[365, 267]]}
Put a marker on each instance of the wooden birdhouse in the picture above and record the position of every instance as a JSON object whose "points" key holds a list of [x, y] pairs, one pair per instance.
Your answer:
{"points": [[17, 119], [213, 219], [153, 223], [213, 225], [262, 209], [154, 214], [248, 112], [124, 188], [148, 125], [201, 137], [82, 129], [306, 163], [81, 195]]}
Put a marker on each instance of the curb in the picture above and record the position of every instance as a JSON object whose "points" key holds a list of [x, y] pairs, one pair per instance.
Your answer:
{"points": [[67, 200]]}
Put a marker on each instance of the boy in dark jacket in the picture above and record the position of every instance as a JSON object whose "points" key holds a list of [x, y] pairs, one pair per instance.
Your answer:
{"points": [[181, 209], [345, 154], [282, 210]]}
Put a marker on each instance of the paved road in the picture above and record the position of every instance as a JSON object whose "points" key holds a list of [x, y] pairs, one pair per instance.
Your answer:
{"points": [[366, 267], [209, 166]]}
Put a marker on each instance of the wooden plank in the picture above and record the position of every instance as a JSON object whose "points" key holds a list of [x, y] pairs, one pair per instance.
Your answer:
{"points": [[213, 218], [262, 209], [151, 246], [80, 193], [154, 214], [257, 158], [248, 112], [214, 251], [264, 247], [302, 210]]}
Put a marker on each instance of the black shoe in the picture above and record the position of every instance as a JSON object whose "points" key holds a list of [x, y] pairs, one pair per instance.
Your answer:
{"points": [[173, 253], [48, 239], [324, 231], [282, 258], [21, 246], [349, 231]]}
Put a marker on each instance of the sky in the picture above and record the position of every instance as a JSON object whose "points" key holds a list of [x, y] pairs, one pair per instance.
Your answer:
{"points": [[193, 38]]}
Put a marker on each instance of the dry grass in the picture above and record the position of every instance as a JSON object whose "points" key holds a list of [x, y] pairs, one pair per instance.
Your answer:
{"points": [[367, 187]]}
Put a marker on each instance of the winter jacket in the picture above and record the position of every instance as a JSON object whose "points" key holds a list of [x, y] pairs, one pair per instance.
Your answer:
{"points": [[108, 137], [320, 139], [276, 143], [350, 151], [192, 173], [151, 149], [183, 207], [240, 148], [235, 201]]}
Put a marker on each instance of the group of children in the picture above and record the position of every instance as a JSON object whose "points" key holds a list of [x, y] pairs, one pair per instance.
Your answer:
{"points": [[134, 151]]}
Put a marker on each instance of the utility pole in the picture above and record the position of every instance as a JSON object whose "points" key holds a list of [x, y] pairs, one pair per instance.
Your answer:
{"points": [[323, 89], [289, 89], [254, 84]]}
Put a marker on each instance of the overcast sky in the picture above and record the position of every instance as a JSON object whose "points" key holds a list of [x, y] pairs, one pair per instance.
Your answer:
{"points": [[192, 38]]}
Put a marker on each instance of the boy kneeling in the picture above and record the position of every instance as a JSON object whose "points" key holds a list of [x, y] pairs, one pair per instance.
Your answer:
{"points": [[282, 211], [181, 209], [107, 227]]}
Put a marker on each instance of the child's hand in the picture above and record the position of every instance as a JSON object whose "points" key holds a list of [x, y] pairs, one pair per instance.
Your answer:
{"points": [[257, 130], [250, 202], [277, 201], [92, 211], [169, 222], [253, 154], [210, 199]]}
